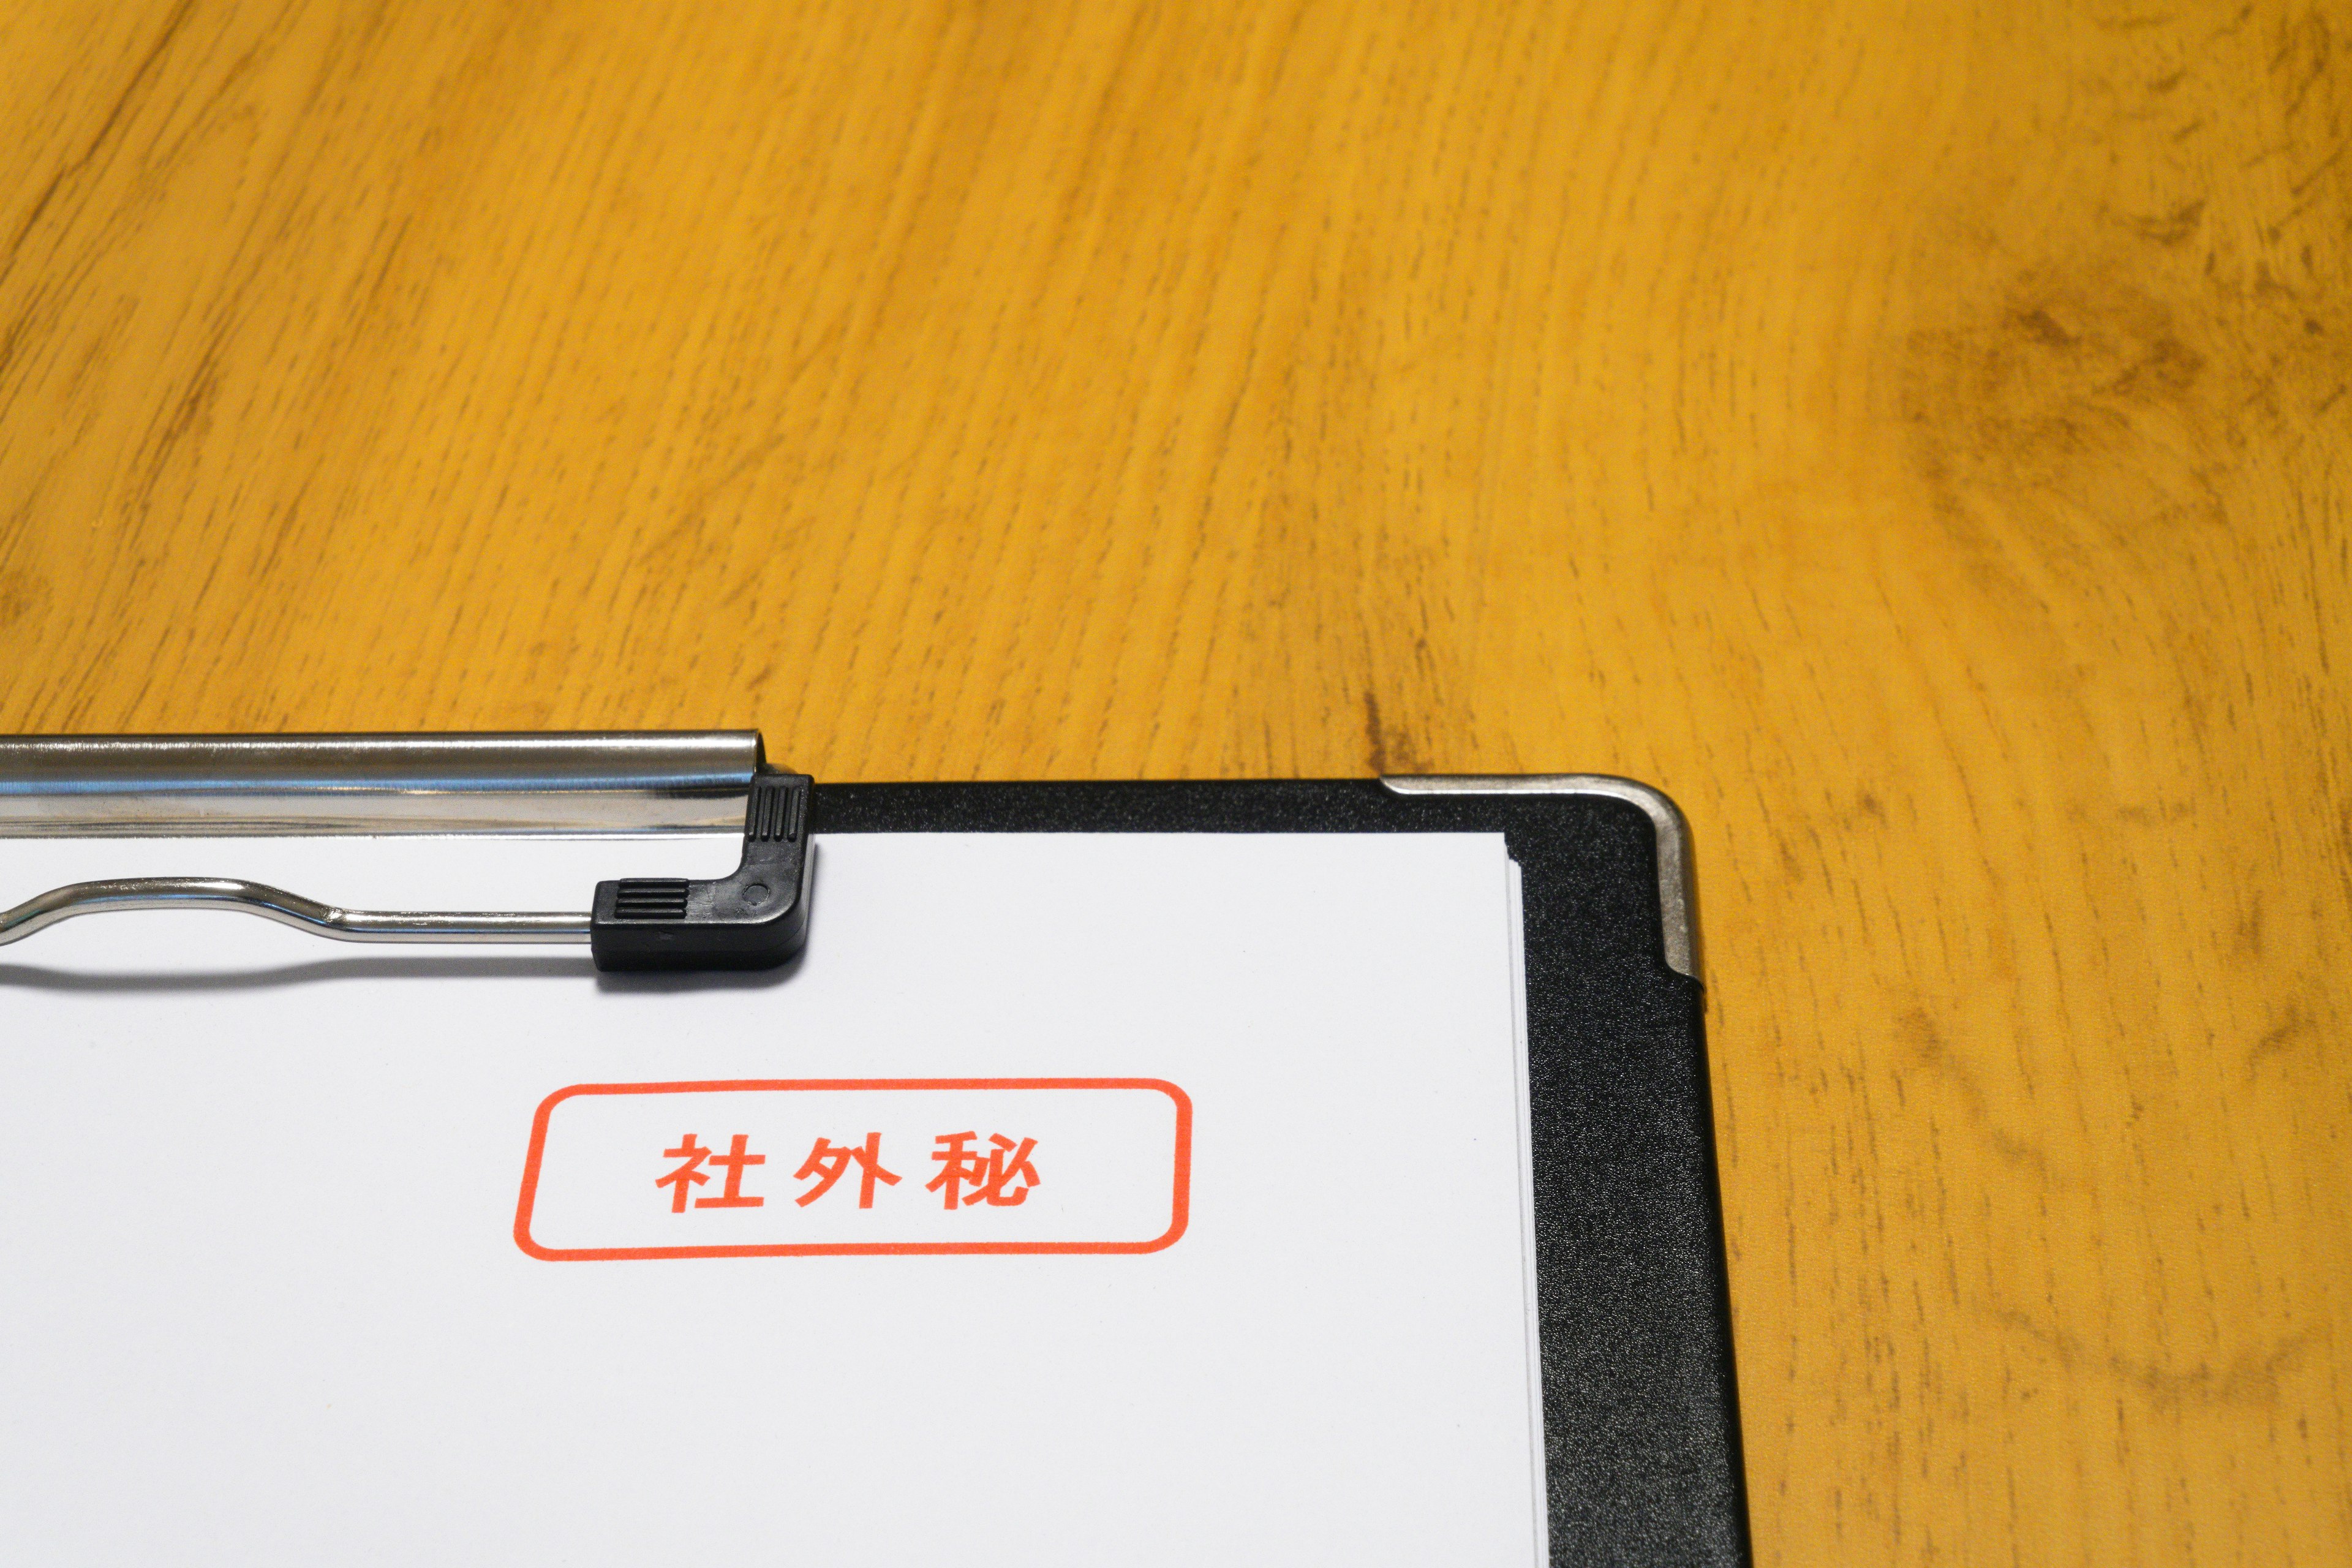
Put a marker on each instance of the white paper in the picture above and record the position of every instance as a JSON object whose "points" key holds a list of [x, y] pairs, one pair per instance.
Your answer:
{"points": [[262, 1298]]}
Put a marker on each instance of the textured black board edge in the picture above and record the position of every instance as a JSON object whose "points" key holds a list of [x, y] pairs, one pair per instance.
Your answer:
{"points": [[1641, 1449]]}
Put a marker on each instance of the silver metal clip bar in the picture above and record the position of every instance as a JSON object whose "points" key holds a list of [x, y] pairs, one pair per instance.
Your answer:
{"points": [[205, 785], [166, 786]]}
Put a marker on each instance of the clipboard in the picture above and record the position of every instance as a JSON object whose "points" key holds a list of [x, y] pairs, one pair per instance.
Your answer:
{"points": [[1641, 1441]]}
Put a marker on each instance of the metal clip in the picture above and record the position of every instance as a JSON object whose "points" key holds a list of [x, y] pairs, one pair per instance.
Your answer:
{"points": [[172, 785]]}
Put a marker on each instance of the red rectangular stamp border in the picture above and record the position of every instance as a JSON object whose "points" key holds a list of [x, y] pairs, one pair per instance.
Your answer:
{"points": [[1179, 1208]]}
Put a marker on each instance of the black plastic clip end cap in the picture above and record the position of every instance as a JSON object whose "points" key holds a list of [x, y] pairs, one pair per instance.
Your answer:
{"points": [[757, 918]]}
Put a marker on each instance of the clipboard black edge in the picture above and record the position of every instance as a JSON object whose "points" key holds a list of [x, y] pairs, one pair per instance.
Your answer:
{"points": [[1641, 1442]]}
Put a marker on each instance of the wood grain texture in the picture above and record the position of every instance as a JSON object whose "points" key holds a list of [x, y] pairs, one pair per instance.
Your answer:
{"points": [[1913, 435]]}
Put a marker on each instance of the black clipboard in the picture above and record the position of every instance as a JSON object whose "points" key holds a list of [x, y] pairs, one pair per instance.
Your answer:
{"points": [[1641, 1454], [1641, 1449]]}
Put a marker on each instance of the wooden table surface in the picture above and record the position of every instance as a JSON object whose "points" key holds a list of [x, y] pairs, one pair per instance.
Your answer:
{"points": [[1915, 436]]}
